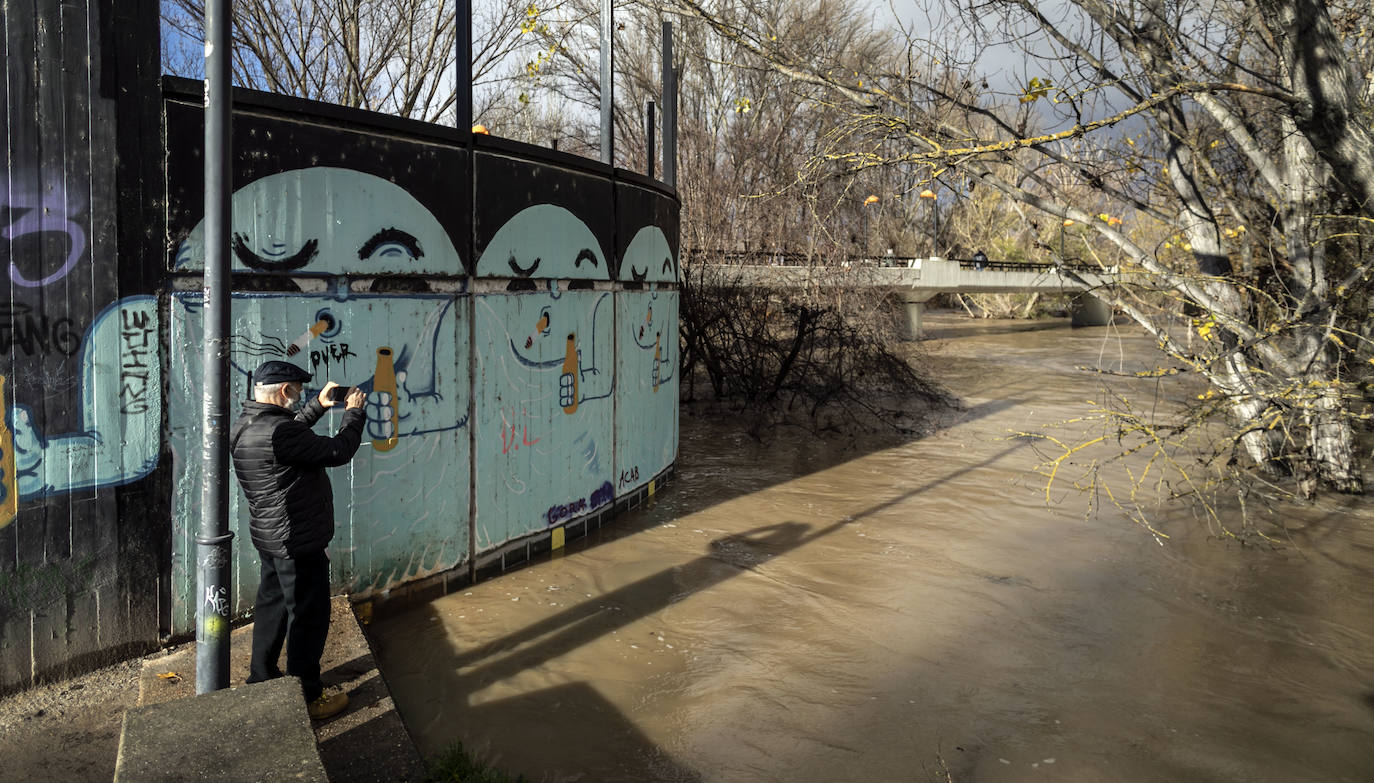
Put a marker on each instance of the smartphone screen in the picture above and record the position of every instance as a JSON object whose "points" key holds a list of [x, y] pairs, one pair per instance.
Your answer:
{"points": [[339, 393]]}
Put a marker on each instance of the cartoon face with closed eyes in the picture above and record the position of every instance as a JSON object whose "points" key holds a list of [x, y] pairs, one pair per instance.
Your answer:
{"points": [[544, 242], [649, 258], [326, 220]]}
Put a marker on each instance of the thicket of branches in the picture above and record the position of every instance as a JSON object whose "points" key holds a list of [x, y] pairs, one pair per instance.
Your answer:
{"points": [[821, 360]]}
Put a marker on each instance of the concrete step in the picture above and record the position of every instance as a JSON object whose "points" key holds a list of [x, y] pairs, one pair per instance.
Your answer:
{"points": [[253, 732]]}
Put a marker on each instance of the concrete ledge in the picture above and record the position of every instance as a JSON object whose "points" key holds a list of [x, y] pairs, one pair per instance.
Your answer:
{"points": [[253, 732]]}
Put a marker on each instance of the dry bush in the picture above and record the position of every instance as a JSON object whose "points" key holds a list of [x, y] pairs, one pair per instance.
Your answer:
{"points": [[824, 360]]}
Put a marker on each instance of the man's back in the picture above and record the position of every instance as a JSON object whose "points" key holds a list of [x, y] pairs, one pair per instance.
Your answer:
{"points": [[280, 463]]}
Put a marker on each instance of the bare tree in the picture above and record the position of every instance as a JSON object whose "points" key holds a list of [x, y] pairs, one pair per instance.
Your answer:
{"points": [[392, 56]]}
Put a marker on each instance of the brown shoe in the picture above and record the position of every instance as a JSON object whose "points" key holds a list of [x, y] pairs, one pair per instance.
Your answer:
{"points": [[327, 705]]}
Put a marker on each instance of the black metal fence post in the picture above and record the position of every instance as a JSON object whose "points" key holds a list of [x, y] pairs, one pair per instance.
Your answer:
{"points": [[462, 86], [669, 108], [649, 139], [607, 82]]}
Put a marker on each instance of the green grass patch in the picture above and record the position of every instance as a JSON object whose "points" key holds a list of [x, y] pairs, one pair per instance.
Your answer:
{"points": [[456, 765]]}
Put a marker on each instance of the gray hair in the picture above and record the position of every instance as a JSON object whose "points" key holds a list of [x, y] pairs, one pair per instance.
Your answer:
{"points": [[262, 390]]}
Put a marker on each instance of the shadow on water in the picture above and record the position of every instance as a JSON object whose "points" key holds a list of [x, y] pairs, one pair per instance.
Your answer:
{"points": [[458, 674]]}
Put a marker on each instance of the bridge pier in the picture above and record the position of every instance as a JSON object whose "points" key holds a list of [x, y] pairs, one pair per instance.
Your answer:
{"points": [[915, 308], [1088, 310]]}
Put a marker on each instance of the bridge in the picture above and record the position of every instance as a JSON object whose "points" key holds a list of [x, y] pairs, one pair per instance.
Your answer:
{"points": [[918, 280]]}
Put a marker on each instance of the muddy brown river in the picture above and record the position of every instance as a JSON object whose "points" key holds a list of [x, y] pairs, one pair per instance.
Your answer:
{"points": [[808, 610]]}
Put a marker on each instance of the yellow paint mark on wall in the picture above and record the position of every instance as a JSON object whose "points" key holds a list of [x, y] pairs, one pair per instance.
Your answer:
{"points": [[556, 542], [651, 487]]}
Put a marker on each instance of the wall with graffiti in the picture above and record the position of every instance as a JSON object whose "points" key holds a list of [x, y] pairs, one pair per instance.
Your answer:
{"points": [[80, 369], [509, 311], [501, 390]]}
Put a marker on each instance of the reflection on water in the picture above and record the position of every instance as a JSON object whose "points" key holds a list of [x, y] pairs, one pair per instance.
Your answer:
{"points": [[807, 611]]}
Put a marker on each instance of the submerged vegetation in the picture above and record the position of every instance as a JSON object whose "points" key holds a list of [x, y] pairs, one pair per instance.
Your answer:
{"points": [[456, 765]]}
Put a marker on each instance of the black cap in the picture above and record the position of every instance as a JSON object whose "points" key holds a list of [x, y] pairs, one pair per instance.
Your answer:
{"points": [[280, 372]]}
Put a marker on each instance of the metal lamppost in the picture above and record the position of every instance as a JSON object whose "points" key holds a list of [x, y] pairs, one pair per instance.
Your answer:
{"points": [[868, 223], [935, 220], [213, 538]]}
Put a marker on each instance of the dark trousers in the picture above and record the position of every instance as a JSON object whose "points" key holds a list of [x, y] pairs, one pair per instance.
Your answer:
{"points": [[292, 609]]}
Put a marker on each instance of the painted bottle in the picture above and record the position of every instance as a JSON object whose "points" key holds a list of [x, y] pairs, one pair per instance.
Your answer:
{"points": [[9, 483], [567, 381], [384, 384], [658, 360]]}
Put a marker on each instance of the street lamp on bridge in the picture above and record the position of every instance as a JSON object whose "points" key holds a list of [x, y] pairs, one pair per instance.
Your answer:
{"points": [[935, 220]]}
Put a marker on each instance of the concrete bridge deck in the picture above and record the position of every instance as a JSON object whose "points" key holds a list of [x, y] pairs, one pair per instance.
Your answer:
{"points": [[918, 280]]}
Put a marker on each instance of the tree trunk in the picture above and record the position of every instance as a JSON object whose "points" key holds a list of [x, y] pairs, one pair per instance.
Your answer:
{"points": [[1246, 407], [1330, 441]]}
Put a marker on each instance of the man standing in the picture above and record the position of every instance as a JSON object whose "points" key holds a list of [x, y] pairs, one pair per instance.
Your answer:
{"points": [[280, 464]]}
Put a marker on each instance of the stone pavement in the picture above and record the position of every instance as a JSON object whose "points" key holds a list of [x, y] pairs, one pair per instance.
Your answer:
{"points": [[367, 742]]}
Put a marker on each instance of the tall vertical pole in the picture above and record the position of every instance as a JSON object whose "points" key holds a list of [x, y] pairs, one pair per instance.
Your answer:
{"points": [[935, 238], [462, 86], [649, 139], [607, 82], [213, 539], [463, 95], [669, 109]]}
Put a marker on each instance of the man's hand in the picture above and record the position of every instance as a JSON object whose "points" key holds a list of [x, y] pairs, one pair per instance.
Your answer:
{"points": [[356, 398], [325, 399]]}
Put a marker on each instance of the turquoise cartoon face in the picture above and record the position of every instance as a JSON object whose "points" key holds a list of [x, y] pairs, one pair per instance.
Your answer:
{"points": [[407, 351], [546, 359], [329, 221], [649, 258], [544, 241]]}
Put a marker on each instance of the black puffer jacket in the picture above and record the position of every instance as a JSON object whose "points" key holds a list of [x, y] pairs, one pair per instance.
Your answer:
{"points": [[280, 463]]}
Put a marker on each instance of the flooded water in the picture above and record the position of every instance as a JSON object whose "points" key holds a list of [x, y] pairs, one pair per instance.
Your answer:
{"points": [[807, 611]]}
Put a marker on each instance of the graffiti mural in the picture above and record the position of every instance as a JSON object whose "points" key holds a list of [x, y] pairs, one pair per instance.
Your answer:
{"points": [[399, 500], [545, 357], [108, 371], [81, 403], [119, 403], [647, 384], [546, 370]]}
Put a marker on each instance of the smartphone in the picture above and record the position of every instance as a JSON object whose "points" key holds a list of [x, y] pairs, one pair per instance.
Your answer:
{"points": [[339, 393]]}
